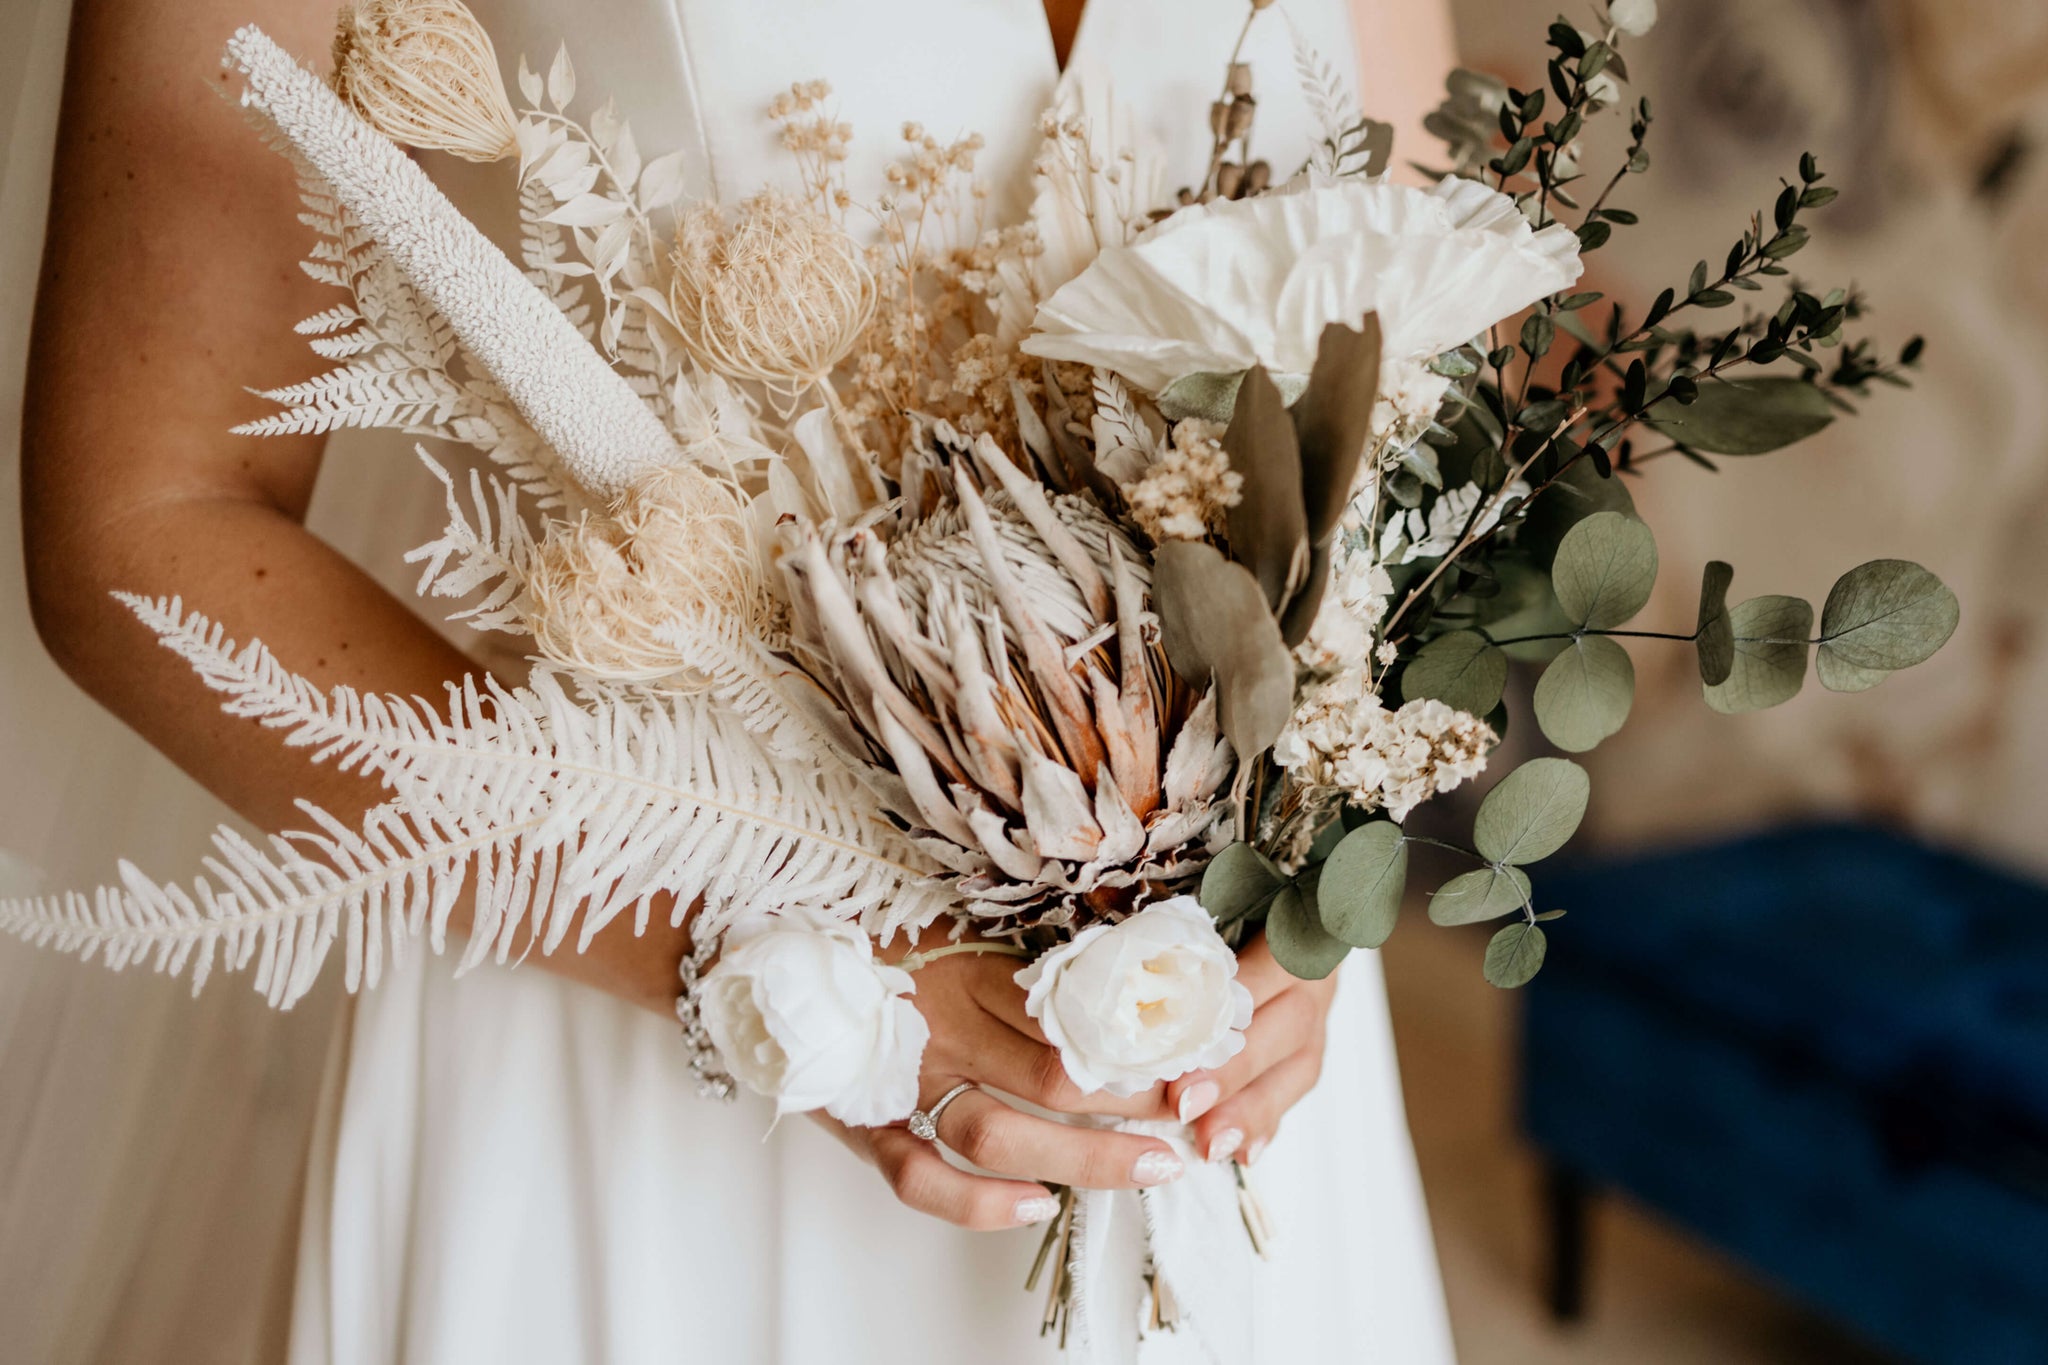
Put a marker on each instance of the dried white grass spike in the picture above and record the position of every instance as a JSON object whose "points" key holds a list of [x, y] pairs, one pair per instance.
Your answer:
{"points": [[778, 296], [424, 73]]}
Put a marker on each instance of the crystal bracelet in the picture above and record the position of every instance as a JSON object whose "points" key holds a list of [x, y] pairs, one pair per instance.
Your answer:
{"points": [[713, 1080]]}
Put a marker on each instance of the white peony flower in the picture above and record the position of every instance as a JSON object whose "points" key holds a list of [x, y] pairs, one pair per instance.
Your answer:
{"points": [[808, 1018], [1145, 1000], [1218, 288], [1633, 17]]}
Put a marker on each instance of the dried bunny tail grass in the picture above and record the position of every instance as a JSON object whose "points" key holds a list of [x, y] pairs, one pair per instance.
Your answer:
{"points": [[778, 296], [424, 73], [610, 591]]}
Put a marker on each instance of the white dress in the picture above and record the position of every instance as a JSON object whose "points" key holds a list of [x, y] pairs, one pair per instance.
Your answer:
{"points": [[510, 1168]]}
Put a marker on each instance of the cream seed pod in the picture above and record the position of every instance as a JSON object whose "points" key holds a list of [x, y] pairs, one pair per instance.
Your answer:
{"points": [[777, 297], [424, 73]]}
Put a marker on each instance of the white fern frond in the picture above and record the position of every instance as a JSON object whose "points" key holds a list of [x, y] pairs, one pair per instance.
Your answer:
{"points": [[481, 555], [565, 808], [399, 874], [1349, 143]]}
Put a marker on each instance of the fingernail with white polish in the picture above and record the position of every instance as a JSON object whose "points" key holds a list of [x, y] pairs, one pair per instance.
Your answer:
{"points": [[1224, 1145], [1251, 1153], [1041, 1208], [1156, 1168], [1198, 1099]]}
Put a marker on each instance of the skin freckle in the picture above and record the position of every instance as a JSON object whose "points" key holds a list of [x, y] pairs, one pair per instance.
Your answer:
{"points": [[262, 573]]}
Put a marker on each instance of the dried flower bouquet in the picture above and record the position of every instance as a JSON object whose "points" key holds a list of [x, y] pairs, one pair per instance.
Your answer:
{"points": [[1112, 584]]}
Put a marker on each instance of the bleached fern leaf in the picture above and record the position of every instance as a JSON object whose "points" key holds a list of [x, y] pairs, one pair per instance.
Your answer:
{"points": [[400, 873], [558, 810], [481, 555], [1350, 143]]}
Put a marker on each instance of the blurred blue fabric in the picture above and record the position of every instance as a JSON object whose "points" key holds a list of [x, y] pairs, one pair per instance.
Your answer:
{"points": [[1824, 1048]]}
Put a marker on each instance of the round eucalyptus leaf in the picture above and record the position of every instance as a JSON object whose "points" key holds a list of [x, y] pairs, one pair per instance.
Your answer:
{"points": [[1532, 811], [1515, 955], [1604, 570], [1479, 895], [1746, 416], [1715, 637], [1297, 938], [1462, 670], [1237, 881], [1525, 605], [1207, 396], [1770, 654], [1359, 896], [1578, 493], [1837, 676], [1585, 694], [1887, 614]]}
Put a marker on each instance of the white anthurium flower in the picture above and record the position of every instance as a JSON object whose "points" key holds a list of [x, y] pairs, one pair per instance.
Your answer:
{"points": [[1221, 287], [1145, 1000], [806, 1016]]}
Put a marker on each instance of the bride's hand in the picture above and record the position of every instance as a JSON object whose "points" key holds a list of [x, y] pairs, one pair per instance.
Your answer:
{"points": [[981, 1034], [1236, 1109]]}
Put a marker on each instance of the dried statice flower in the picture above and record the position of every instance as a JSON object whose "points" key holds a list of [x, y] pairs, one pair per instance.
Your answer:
{"points": [[623, 596], [424, 73], [1185, 494], [777, 297], [1343, 737]]}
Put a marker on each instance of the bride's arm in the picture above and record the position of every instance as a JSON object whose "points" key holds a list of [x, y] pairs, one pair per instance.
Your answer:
{"points": [[169, 283]]}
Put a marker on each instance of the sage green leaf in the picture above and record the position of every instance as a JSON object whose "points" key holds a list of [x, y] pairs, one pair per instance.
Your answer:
{"points": [[1359, 896], [1298, 940], [1837, 676], [1238, 881], [1268, 528], [1746, 416], [1207, 396], [1462, 670], [1604, 570], [1887, 614], [1585, 693], [1515, 955], [1578, 493], [1334, 418], [1479, 895], [1524, 606], [1214, 623], [1532, 811], [1715, 638], [1300, 615], [1770, 655]]}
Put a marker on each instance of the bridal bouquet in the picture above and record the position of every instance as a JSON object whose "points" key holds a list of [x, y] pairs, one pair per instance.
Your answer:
{"points": [[1108, 586]]}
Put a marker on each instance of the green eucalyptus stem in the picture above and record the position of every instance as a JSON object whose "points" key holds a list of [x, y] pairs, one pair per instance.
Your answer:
{"points": [[1474, 854]]}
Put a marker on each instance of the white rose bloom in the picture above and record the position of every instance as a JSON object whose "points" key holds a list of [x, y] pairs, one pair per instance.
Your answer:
{"points": [[1218, 288], [1142, 1001], [1633, 17], [808, 1018]]}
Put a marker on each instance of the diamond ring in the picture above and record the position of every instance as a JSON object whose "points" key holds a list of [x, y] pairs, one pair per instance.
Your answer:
{"points": [[924, 1123]]}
